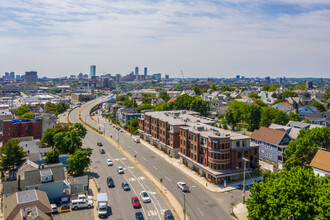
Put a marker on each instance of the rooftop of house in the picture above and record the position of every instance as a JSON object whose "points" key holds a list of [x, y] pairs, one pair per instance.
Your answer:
{"points": [[32, 203], [79, 180], [268, 135], [297, 124], [293, 132], [321, 161]]}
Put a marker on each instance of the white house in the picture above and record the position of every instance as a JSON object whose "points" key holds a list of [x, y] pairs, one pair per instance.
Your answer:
{"points": [[321, 163]]}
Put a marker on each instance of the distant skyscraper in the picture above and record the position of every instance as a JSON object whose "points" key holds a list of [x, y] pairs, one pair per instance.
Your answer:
{"points": [[237, 77], [12, 75], [118, 78], [145, 72], [93, 70], [31, 76], [167, 76], [137, 72]]}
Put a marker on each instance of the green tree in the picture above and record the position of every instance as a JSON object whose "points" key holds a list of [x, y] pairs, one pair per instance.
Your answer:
{"points": [[22, 110], [53, 156], [11, 155], [293, 116], [319, 106], [301, 151], [79, 161], [301, 86], [197, 90], [164, 106], [260, 103], [296, 192], [286, 94], [28, 115], [326, 96], [200, 106], [204, 90], [48, 136], [267, 116], [132, 125], [253, 95], [164, 95], [238, 97], [306, 120], [51, 108], [252, 117], [182, 102], [281, 118], [144, 107]]}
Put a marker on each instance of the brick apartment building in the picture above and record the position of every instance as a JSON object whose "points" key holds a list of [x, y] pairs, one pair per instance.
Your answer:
{"points": [[214, 153], [21, 128]]}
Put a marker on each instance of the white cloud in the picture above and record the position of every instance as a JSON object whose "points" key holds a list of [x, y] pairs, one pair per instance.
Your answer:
{"points": [[63, 37]]}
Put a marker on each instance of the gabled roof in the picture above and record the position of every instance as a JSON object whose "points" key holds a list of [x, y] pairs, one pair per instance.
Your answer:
{"points": [[268, 135], [321, 161], [172, 99]]}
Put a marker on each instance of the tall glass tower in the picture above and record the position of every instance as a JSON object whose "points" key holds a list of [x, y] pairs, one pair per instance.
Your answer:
{"points": [[93, 70]]}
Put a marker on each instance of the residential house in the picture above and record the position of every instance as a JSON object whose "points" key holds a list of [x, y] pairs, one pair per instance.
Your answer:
{"points": [[48, 121], [272, 143], [297, 124], [51, 179], [319, 118], [294, 101], [25, 205], [5, 115], [113, 109], [125, 114], [156, 101], [248, 100], [172, 100], [291, 131], [188, 92], [321, 163], [283, 106], [79, 184]]}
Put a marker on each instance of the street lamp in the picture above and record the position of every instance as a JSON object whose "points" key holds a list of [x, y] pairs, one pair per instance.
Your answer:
{"points": [[245, 160], [184, 202]]}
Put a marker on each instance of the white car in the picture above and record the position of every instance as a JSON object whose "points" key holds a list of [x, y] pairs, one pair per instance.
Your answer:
{"points": [[120, 170], [83, 196], [81, 203], [183, 186], [109, 162], [145, 197]]}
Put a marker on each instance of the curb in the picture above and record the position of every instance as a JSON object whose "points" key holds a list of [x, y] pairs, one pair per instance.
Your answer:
{"points": [[176, 208]]}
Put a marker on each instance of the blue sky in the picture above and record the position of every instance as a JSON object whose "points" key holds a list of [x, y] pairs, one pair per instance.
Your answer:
{"points": [[204, 38]]}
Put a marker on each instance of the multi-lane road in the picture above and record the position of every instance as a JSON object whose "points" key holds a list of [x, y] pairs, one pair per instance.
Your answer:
{"points": [[200, 203], [120, 200]]}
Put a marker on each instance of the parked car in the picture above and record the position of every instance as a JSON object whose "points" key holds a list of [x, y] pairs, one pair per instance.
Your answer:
{"points": [[125, 186], [110, 182], [65, 205], [120, 130], [139, 216], [183, 186], [83, 196], [120, 170], [145, 197], [102, 151], [54, 208], [136, 202], [137, 140], [109, 162], [168, 215], [81, 203], [99, 144]]}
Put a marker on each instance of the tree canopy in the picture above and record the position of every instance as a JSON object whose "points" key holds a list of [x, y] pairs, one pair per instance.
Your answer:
{"points": [[28, 115], [197, 90], [79, 161], [319, 106], [53, 156], [22, 110], [164, 95], [56, 109], [296, 192], [66, 139], [303, 149], [11, 155], [144, 107]]}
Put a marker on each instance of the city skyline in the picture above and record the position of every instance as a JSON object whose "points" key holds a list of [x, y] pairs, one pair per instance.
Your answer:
{"points": [[205, 38]]}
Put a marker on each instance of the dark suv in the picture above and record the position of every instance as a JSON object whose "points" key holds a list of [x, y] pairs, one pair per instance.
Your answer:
{"points": [[110, 182]]}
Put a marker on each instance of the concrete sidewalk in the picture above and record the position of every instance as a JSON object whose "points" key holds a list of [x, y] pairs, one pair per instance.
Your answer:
{"points": [[240, 211], [177, 163]]}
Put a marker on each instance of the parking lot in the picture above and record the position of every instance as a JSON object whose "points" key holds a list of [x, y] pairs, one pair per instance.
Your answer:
{"points": [[81, 214]]}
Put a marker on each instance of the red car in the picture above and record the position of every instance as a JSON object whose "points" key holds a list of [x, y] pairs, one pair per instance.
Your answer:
{"points": [[136, 202]]}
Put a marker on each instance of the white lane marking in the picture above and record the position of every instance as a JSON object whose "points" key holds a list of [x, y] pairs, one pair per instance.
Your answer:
{"points": [[131, 179], [200, 211], [130, 167], [152, 213], [168, 179], [144, 158], [141, 178], [154, 167]]}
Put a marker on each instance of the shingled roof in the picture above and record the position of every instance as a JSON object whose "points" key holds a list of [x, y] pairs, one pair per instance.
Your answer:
{"points": [[321, 161], [268, 135]]}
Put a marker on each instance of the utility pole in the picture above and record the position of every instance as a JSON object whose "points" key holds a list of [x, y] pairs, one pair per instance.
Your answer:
{"points": [[243, 193], [130, 128], [184, 206]]}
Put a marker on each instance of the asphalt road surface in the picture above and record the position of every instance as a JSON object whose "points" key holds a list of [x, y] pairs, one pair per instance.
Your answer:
{"points": [[200, 203], [120, 200]]}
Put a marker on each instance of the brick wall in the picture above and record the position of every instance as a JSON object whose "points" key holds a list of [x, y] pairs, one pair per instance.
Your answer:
{"points": [[22, 128]]}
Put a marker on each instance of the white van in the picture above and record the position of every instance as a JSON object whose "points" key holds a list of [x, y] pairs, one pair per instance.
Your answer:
{"points": [[137, 140]]}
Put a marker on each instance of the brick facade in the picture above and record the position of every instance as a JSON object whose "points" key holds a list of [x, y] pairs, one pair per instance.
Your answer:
{"points": [[22, 128]]}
